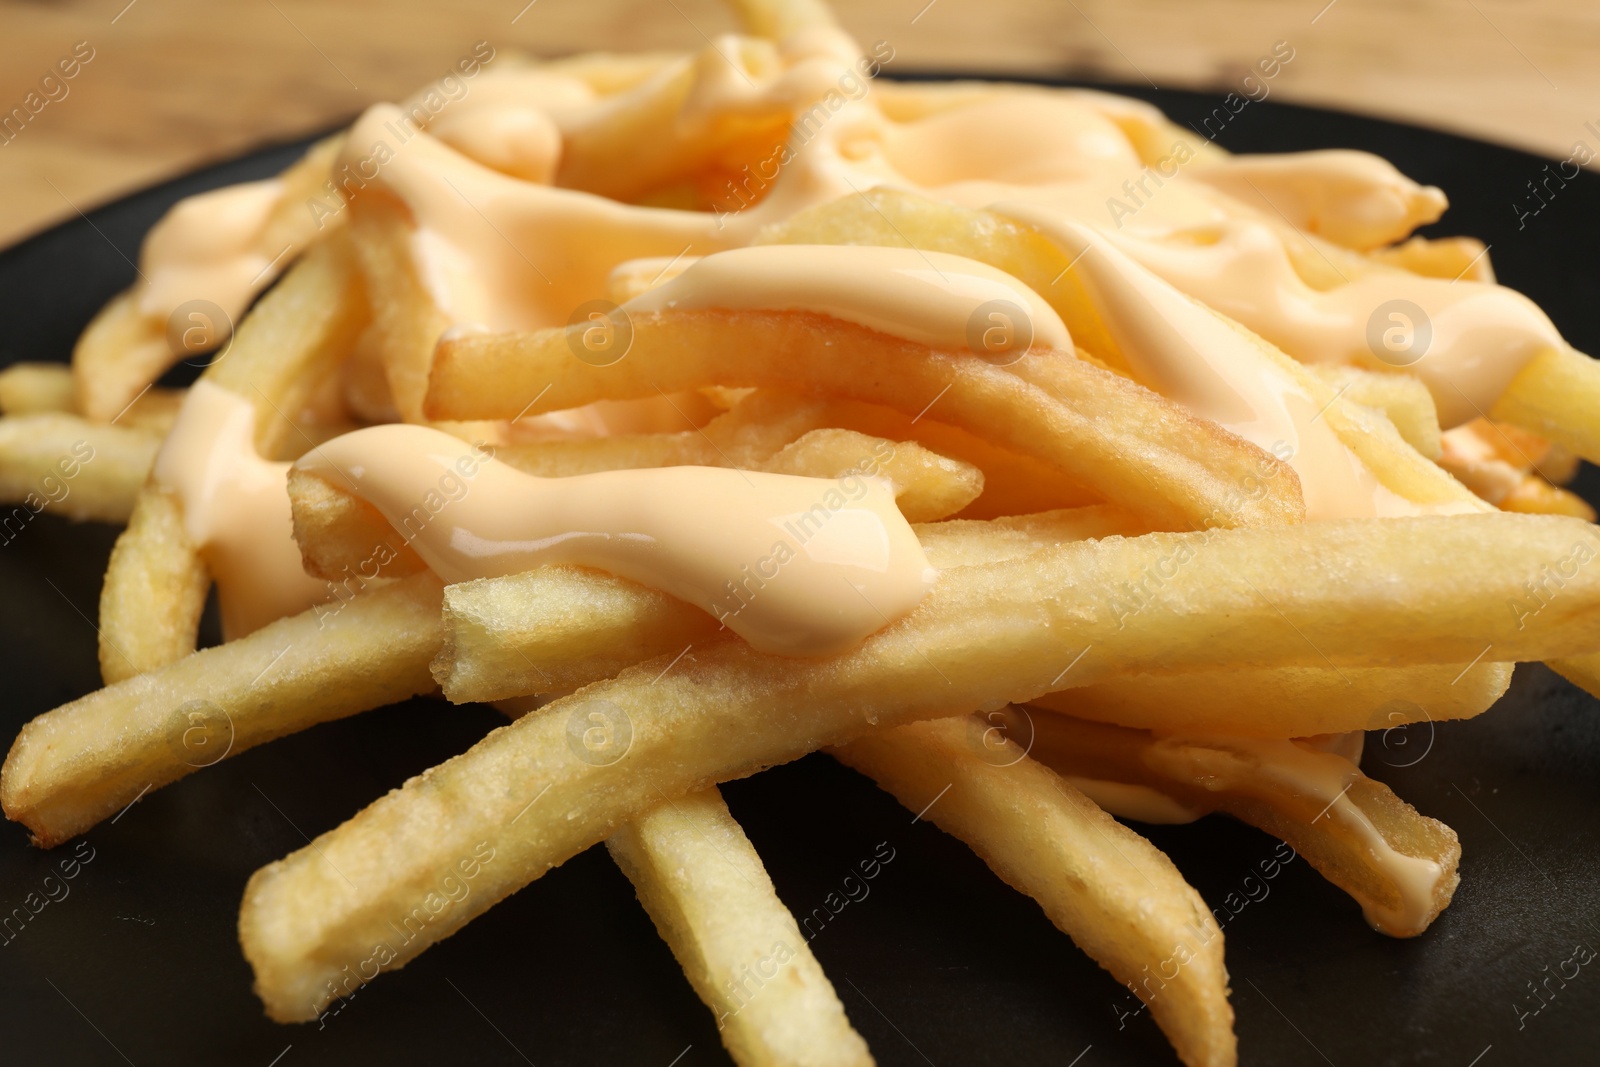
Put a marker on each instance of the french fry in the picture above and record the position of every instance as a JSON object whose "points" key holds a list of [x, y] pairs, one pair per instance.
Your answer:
{"points": [[120, 353], [556, 629], [1367, 593], [125, 349], [406, 321], [37, 388], [1154, 457], [48, 388], [73, 467], [1399, 865], [154, 590], [1286, 702], [1115, 894], [1533, 495], [1558, 397], [1404, 399], [71, 767], [156, 582], [928, 486], [710, 898]]}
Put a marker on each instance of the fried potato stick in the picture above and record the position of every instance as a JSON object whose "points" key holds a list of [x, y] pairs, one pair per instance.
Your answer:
{"points": [[70, 466], [1366, 592], [84, 761], [1116, 895], [156, 582], [1152, 456], [1398, 864], [711, 900]]}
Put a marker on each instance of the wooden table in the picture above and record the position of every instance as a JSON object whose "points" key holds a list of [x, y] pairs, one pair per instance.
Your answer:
{"points": [[175, 83]]}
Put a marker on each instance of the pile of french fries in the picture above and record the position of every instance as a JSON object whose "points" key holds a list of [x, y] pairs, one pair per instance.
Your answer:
{"points": [[1131, 611]]}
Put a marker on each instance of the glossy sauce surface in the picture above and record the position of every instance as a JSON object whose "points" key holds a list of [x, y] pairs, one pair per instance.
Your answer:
{"points": [[799, 566]]}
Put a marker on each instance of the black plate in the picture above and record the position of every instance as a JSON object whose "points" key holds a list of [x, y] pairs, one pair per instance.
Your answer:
{"points": [[941, 963]]}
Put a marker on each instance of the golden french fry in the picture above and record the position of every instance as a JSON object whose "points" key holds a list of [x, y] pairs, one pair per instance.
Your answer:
{"points": [[1404, 399], [928, 486], [1115, 894], [120, 353], [71, 767], [1373, 592], [406, 322], [154, 590], [1398, 864], [1557, 396], [1155, 457], [1289, 701], [37, 388], [1536, 496], [156, 582], [706, 890], [73, 467], [551, 630], [124, 349], [556, 629]]}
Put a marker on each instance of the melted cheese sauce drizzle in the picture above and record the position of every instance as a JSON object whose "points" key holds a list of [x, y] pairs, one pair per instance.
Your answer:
{"points": [[236, 510], [932, 298], [1473, 337], [799, 566], [1188, 354]]}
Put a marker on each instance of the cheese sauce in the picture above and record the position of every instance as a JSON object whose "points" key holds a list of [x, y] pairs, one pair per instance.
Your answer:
{"points": [[799, 566], [548, 187], [235, 510]]}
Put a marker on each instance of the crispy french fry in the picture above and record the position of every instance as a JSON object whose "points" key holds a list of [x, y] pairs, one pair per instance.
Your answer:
{"points": [[125, 349], [37, 388], [406, 321], [1536, 496], [928, 486], [1372, 592], [73, 467], [1404, 399], [1557, 396], [1115, 894], [706, 890], [120, 353], [1399, 865], [156, 582], [1289, 701], [154, 590], [71, 767], [46, 388], [1155, 457], [556, 629]]}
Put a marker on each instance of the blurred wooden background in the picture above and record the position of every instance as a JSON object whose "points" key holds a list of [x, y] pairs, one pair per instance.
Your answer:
{"points": [[175, 83]]}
